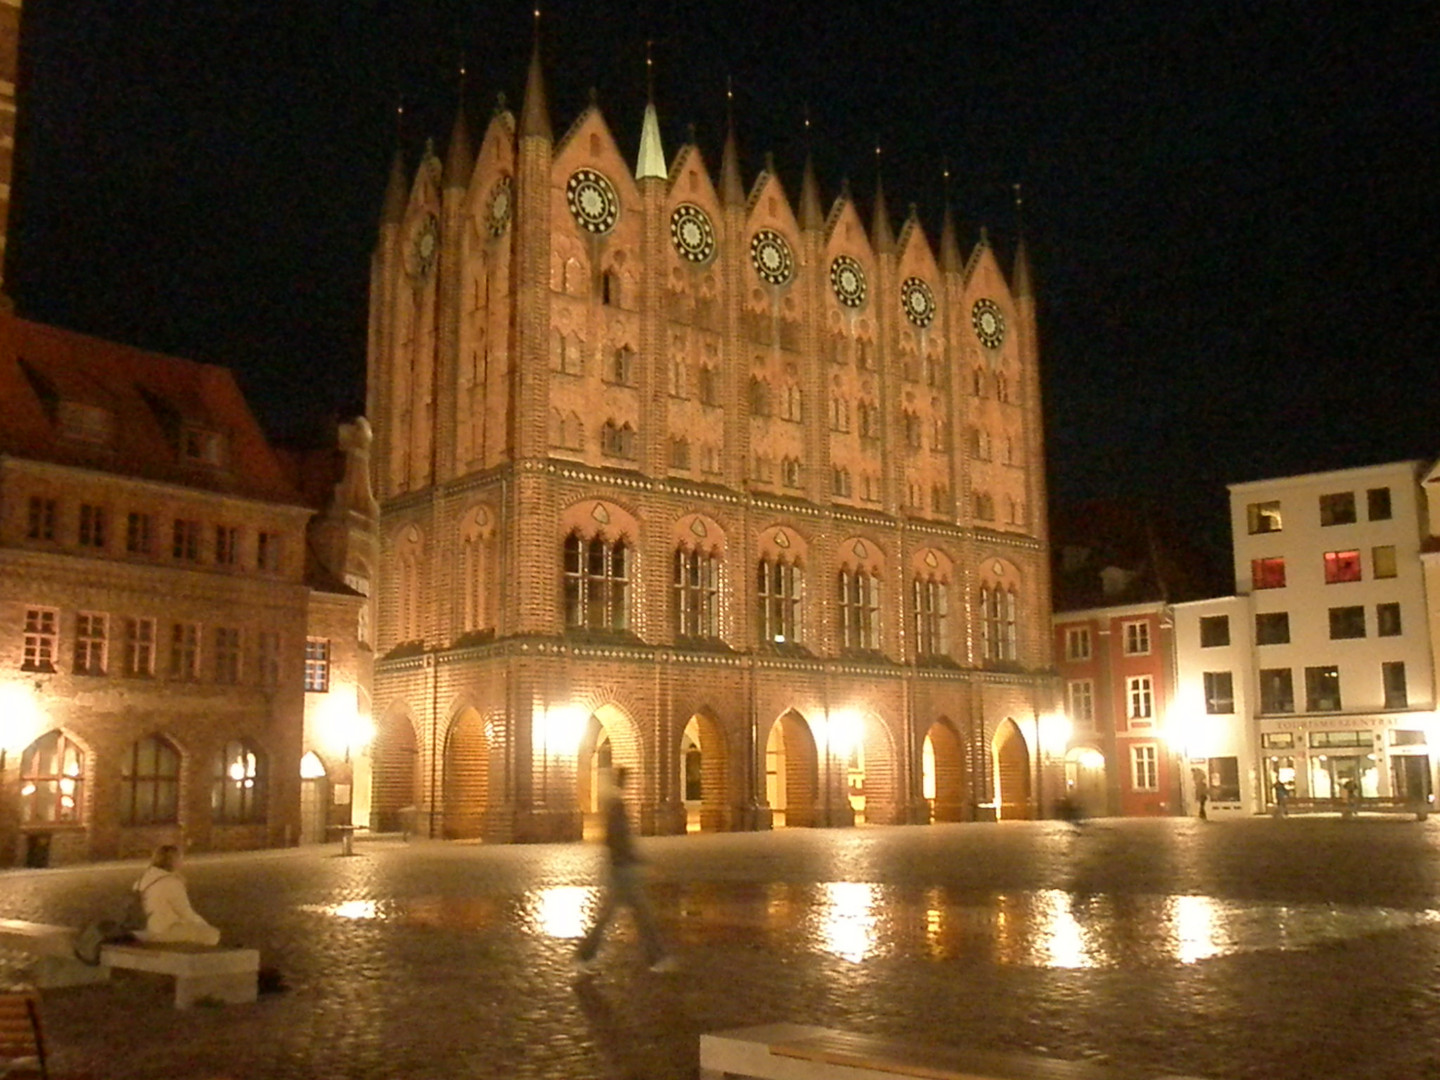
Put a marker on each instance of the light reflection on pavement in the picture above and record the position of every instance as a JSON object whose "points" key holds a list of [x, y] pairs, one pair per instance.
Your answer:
{"points": [[856, 921]]}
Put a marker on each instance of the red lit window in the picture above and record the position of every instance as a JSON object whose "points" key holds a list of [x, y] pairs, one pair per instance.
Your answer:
{"points": [[1268, 573], [1342, 566]]}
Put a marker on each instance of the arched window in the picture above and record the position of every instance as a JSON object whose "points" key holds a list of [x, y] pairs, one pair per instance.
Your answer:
{"points": [[709, 395], [1010, 646], [999, 629], [790, 472], [610, 288], [52, 777], [150, 783], [622, 368], [238, 794], [859, 610], [696, 593], [779, 582], [597, 583], [759, 397], [931, 610], [617, 441]]}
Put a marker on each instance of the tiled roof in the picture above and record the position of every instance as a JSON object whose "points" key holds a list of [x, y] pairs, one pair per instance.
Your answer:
{"points": [[133, 409]]}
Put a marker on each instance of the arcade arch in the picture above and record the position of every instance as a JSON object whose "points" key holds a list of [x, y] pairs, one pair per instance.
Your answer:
{"points": [[791, 772], [467, 776], [1012, 772], [395, 760], [610, 740], [705, 775], [944, 783]]}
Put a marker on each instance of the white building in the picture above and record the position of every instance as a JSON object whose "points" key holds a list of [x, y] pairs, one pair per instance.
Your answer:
{"points": [[1318, 673]]}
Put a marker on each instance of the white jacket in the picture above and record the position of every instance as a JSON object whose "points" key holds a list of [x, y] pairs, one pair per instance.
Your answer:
{"points": [[168, 914]]}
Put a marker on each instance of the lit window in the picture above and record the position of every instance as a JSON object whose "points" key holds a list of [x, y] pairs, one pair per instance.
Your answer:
{"points": [[139, 647], [778, 585], [931, 603], [696, 593], [1080, 702], [1382, 561], [1263, 517], [52, 776], [42, 637], [1341, 566], [90, 644], [1267, 573], [597, 583], [238, 794], [150, 783], [859, 610], [317, 665]]}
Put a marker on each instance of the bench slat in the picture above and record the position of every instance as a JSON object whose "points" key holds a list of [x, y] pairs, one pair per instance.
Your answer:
{"points": [[932, 1062]]}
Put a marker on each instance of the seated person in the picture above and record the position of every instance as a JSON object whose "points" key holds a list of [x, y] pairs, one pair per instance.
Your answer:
{"points": [[168, 914]]}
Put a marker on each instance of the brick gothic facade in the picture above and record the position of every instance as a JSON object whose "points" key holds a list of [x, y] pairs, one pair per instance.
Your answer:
{"points": [[717, 485]]}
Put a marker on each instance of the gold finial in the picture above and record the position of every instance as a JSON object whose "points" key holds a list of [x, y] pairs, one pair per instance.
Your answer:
{"points": [[649, 72]]}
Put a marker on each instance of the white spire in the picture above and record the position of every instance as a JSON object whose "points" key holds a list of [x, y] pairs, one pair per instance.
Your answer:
{"points": [[652, 158]]}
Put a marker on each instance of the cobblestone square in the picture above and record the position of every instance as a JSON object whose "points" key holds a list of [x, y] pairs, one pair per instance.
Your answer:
{"points": [[1242, 949]]}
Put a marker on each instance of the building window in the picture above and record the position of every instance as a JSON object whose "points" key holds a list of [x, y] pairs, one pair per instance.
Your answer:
{"points": [[226, 544], [597, 583], [227, 655], [150, 782], [52, 773], [778, 586], [790, 472], [679, 383], [185, 651], [139, 534], [1272, 628], [267, 665], [1322, 689], [238, 795], [186, 540], [1277, 690], [1214, 631], [199, 445], [709, 394], [1140, 696], [1382, 561], [840, 482], [317, 665], [1347, 622], [42, 637], [911, 424], [617, 441], [1337, 509], [41, 523], [696, 593], [998, 630], [92, 531], [1377, 503], [1077, 643], [622, 367], [759, 397], [679, 453], [859, 610], [1145, 767], [790, 404], [1219, 692], [267, 551], [139, 648], [1387, 620], [90, 644], [1341, 566], [1137, 638], [1392, 673], [1080, 702], [931, 611], [1268, 573], [1264, 517]]}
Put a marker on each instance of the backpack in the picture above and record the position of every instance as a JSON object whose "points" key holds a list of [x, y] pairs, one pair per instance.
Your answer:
{"points": [[111, 931]]}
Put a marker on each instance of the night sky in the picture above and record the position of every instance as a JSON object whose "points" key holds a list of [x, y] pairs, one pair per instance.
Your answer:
{"points": [[1231, 209]]}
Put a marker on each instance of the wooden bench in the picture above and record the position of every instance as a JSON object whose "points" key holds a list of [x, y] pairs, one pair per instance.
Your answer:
{"points": [[22, 1045], [803, 1052], [200, 971]]}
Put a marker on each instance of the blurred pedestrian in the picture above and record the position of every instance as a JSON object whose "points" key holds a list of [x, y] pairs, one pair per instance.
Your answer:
{"points": [[625, 886], [1282, 793]]}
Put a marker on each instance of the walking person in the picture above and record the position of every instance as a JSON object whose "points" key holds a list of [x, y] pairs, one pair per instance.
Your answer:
{"points": [[625, 887]]}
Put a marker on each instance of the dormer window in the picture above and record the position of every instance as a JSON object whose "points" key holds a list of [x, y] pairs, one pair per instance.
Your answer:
{"points": [[85, 423], [202, 446]]}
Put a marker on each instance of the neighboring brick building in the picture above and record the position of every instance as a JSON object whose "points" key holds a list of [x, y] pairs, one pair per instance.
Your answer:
{"points": [[154, 607], [711, 483]]}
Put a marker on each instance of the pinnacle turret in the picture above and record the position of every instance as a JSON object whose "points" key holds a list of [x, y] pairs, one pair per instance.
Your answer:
{"points": [[535, 111], [882, 239], [459, 158], [811, 216], [950, 260], [393, 209]]}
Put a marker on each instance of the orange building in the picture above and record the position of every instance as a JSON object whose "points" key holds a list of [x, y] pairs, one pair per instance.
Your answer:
{"points": [[701, 479]]}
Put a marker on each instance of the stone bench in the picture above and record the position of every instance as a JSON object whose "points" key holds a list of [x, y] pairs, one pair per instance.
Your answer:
{"points": [[803, 1052], [200, 971]]}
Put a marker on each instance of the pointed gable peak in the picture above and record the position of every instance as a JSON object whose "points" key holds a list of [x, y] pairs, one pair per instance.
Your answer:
{"points": [[651, 162], [911, 228], [535, 111], [459, 158]]}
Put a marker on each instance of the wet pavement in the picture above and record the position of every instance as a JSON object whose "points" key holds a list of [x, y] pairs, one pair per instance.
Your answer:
{"points": [[1242, 949]]}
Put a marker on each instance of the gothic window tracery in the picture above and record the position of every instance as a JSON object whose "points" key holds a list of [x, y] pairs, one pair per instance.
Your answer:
{"points": [[597, 582], [695, 592], [779, 582]]}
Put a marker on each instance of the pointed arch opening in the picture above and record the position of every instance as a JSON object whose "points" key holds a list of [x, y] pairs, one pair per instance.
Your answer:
{"points": [[944, 782], [1012, 773], [611, 740], [467, 776], [314, 798], [705, 775], [791, 772], [866, 756], [395, 764]]}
